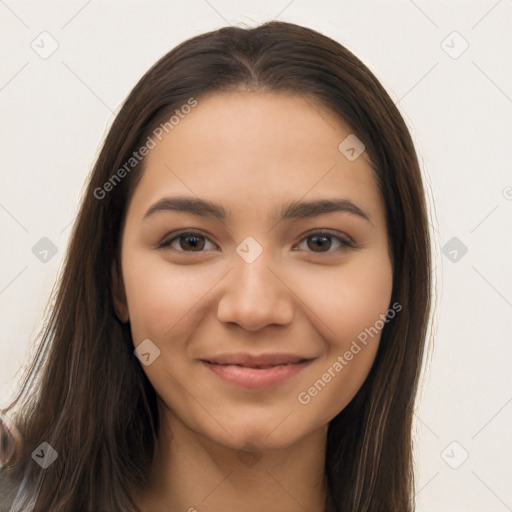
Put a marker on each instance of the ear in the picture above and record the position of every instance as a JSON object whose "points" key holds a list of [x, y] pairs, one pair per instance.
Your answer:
{"points": [[118, 293]]}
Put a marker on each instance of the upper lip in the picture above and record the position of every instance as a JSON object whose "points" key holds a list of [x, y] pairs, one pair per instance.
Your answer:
{"points": [[253, 360]]}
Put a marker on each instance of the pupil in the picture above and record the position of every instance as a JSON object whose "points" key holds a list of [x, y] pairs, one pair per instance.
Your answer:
{"points": [[193, 241], [318, 240]]}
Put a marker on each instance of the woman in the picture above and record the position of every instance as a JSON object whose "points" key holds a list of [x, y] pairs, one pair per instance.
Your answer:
{"points": [[204, 351]]}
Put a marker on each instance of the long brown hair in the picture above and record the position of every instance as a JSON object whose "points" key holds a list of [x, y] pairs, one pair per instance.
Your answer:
{"points": [[88, 396]]}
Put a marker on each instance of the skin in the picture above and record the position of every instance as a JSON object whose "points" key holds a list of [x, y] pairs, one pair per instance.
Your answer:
{"points": [[223, 446]]}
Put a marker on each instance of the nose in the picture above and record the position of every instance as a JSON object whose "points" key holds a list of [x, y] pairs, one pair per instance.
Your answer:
{"points": [[255, 295]]}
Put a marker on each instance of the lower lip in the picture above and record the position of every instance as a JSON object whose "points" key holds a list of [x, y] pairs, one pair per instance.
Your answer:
{"points": [[254, 377]]}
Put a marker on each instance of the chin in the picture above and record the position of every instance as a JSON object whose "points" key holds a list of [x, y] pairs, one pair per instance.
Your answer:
{"points": [[255, 433]]}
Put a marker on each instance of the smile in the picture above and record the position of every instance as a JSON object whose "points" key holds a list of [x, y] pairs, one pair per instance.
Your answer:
{"points": [[257, 374]]}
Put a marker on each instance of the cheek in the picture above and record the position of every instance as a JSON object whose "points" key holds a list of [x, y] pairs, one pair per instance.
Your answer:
{"points": [[351, 315], [160, 295], [357, 315], [346, 300], [362, 297]]}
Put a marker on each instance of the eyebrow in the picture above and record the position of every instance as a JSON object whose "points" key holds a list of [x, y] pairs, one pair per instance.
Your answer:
{"points": [[293, 210]]}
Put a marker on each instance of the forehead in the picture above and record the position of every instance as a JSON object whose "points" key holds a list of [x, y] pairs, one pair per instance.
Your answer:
{"points": [[255, 150]]}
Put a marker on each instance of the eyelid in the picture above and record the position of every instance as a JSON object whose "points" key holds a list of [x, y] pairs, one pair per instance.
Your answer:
{"points": [[345, 240], [328, 232], [172, 237]]}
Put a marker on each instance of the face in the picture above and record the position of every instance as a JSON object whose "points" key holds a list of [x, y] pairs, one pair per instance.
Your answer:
{"points": [[255, 308]]}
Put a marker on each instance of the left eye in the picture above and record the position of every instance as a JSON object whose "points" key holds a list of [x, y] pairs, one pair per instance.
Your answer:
{"points": [[319, 240], [196, 242]]}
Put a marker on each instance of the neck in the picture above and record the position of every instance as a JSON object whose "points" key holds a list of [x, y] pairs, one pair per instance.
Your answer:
{"points": [[191, 473]]}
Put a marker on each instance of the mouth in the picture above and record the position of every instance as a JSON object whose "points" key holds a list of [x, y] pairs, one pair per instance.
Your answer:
{"points": [[256, 361], [257, 371], [258, 366]]}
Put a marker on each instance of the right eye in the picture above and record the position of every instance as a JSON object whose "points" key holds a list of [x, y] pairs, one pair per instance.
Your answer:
{"points": [[188, 241]]}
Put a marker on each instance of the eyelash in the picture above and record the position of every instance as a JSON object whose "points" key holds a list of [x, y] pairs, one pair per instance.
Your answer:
{"points": [[345, 243]]}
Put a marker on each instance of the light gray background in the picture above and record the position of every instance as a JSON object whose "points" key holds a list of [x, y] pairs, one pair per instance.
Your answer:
{"points": [[56, 111]]}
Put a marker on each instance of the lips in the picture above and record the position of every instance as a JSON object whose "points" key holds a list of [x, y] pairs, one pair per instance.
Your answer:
{"points": [[256, 371], [257, 366]]}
